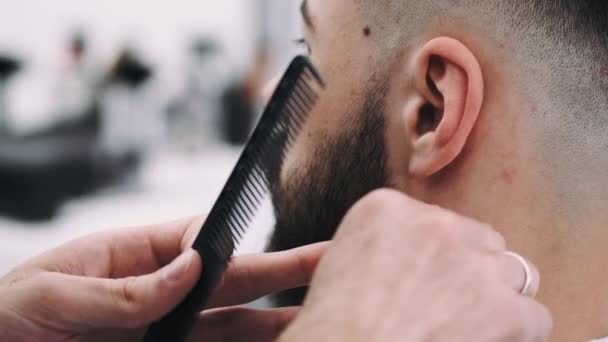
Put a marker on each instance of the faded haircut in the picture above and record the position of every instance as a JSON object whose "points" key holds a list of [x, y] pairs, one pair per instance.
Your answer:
{"points": [[558, 52], [568, 38]]}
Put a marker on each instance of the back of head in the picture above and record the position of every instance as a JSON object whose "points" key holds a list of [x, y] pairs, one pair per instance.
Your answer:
{"points": [[557, 54]]}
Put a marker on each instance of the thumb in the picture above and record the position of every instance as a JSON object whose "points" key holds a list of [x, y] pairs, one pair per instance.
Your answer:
{"points": [[130, 302]]}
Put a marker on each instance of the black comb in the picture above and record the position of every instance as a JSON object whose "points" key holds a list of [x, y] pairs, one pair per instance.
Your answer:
{"points": [[255, 172]]}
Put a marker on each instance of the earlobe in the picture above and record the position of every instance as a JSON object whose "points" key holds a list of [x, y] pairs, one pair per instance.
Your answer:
{"points": [[446, 106]]}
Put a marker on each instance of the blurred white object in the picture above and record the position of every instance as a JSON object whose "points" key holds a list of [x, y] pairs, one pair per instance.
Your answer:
{"points": [[131, 120]]}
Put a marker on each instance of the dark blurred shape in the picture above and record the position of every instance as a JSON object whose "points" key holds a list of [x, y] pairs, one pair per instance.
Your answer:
{"points": [[240, 100], [204, 47], [8, 67], [78, 45], [126, 119], [129, 70], [193, 113], [39, 172], [238, 115], [86, 120]]}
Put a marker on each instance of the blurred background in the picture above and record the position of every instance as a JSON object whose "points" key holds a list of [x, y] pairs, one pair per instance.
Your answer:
{"points": [[126, 112]]}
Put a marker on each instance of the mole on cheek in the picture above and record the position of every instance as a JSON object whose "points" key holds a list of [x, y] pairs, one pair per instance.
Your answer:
{"points": [[367, 31]]}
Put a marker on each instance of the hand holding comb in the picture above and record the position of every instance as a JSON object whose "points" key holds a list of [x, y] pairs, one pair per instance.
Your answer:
{"points": [[250, 181]]}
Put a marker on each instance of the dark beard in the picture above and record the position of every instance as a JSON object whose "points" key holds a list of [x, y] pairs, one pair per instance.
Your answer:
{"points": [[345, 169]]}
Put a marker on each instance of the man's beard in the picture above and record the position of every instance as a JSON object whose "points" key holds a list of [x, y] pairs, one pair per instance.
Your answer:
{"points": [[346, 168]]}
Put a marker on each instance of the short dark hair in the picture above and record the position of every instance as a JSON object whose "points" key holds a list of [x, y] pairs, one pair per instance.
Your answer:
{"points": [[556, 52], [574, 20], [566, 40]]}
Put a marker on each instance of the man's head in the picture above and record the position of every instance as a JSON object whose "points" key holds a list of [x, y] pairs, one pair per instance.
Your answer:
{"points": [[495, 109]]}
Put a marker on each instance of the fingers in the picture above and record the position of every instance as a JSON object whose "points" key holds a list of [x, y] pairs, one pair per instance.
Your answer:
{"points": [[434, 223], [253, 276], [482, 236], [240, 324], [153, 246], [425, 219], [431, 223], [543, 324], [123, 303], [515, 273], [121, 253], [527, 321]]}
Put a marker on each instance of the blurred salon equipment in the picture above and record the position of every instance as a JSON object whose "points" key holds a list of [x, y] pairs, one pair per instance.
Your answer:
{"points": [[192, 82], [194, 113], [127, 112], [81, 152], [240, 101], [8, 67], [128, 122]]}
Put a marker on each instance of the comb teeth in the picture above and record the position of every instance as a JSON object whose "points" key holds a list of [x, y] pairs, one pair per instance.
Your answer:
{"points": [[260, 163], [257, 168]]}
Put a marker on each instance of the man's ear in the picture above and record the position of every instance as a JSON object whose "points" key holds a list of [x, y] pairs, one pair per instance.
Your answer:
{"points": [[445, 107]]}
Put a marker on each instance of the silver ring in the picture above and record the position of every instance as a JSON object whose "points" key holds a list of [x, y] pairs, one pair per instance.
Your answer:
{"points": [[526, 290]]}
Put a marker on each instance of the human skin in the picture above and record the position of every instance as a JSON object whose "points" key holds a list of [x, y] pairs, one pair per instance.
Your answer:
{"points": [[448, 279], [401, 270], [110, 286], [479, 156]]}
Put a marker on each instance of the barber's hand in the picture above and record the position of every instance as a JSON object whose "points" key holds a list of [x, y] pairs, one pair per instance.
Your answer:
{"points": [[110, 286], [400, 270]]}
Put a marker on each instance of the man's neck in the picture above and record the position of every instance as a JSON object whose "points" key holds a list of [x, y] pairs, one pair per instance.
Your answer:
{"points": [[529, 211], [570, 253], [572, 259]]}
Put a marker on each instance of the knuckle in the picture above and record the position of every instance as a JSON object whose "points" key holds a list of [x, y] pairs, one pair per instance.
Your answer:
{"points": [[45, 291], [127, 300], [496, 239], [375, 202], [548, 319], [304, 265], [370, 208], [490, 236], [41, 282], [442, 231], [482, 272], [43, 286], [31, 294], [47, 285], [380, 210], [382, 201], [17, 276], [516, 318], [386, 194]]}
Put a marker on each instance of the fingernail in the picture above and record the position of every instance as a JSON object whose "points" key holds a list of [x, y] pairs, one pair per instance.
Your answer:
{"points": [[176, 270]]}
